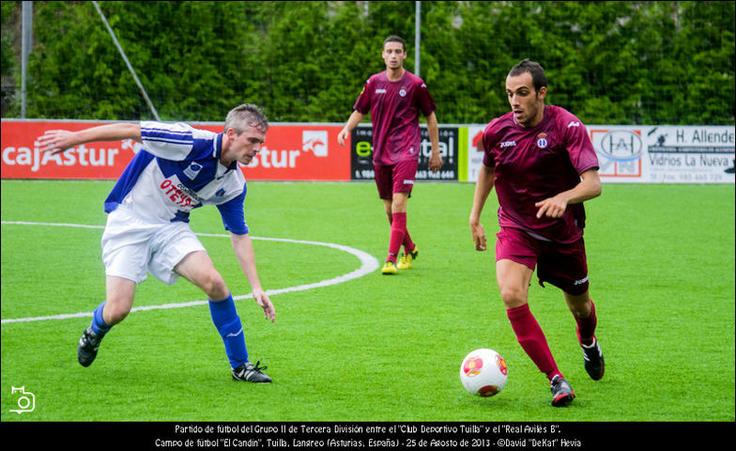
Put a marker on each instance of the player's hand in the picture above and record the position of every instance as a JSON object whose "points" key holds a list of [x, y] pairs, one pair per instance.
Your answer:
{"points": [[265, 303], [479, 236], [553, 207], [342, 137], [435, 162], [56, 141]]}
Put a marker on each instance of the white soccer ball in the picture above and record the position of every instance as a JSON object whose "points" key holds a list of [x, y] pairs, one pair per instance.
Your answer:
{"points": [[483, 372]]}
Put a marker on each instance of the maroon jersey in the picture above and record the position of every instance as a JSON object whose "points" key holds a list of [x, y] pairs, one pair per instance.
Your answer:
{"points": [[394, 108], [533, 164]]}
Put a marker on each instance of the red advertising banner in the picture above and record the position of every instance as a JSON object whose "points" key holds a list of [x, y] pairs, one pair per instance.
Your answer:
{"points": [[291, 152], [301, 152]]}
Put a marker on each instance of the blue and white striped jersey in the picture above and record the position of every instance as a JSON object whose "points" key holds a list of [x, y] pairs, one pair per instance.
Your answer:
{"points": [[179, 169]]}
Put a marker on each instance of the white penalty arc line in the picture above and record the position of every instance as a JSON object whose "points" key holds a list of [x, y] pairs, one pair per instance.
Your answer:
{"points": [[368, 264]]}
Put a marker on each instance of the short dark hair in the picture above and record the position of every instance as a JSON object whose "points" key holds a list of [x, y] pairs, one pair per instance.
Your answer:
{"points": [[395, 38], [246, 115], [534, 68]]}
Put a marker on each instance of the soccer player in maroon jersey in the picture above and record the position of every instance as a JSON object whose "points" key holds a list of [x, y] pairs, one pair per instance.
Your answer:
{"points": [[394, 98], [543, 165]]}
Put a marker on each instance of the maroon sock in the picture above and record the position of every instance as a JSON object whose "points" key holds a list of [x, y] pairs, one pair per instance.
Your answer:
{"points": [[586, 327], [408, 243], [531, 338], [398, 229]]}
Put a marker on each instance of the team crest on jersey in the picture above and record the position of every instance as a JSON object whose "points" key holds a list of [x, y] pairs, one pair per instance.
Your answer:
{"points": [[542, 140], [402, 92], [193, 170]]}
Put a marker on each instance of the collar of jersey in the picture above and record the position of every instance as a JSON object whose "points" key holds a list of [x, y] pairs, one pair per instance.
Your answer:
{"points": [[217, 152], [385, 77]]}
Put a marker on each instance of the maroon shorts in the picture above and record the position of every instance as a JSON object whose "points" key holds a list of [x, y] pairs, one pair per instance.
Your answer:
{"points": [[397, 178], [562, 265]]}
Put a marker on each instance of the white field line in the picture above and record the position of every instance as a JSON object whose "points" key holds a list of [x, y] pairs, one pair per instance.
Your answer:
{"points": [[368, 264]]}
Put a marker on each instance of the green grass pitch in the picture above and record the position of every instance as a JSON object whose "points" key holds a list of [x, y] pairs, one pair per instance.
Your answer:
{"points": [[376, 348]]}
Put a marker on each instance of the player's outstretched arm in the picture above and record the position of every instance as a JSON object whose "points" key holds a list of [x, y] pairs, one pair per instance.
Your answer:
{"points": [[56, 141], [353, 122], [243, 247], [483, 188], [588, 188], [435, 160]]}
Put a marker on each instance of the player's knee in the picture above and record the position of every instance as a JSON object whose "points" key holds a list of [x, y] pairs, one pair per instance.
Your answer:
{"points": [[398, 202], [214, 286], [580, 305], [398, 206], [116, 312], [513, 296]]}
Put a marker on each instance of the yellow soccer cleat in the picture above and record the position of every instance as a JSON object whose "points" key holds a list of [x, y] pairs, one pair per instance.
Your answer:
{"points": [[389, 268], [406, 259]]}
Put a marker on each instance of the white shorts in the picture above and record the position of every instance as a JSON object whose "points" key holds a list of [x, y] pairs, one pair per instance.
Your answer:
{"points": [[132, 246]]}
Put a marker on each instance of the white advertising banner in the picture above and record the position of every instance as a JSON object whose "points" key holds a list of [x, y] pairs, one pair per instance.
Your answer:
{"points": [[649, 154], [621, 152], [690, 154]]}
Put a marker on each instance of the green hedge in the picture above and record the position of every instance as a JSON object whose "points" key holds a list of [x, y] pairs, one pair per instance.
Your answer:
{"points": [[608, 62]]}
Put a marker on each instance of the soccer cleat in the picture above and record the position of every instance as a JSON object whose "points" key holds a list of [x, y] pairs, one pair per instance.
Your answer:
{"points": [[89, 343], [389, 268], [594, 363], [406, 259], [248, 372], [562, 393]]}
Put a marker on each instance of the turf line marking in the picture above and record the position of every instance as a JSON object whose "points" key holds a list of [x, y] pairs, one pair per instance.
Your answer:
{"points": [[368, 264]]}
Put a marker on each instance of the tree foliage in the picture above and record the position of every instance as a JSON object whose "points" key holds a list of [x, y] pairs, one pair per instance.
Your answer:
{"points": [[608, 62]]}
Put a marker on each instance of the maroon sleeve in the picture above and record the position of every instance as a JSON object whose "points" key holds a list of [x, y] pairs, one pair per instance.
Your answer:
{"points": [[363, 102], [424, 99], [489, 141], [579, 147]]}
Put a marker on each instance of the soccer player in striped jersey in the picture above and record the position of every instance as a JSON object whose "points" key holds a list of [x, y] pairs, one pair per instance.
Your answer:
{"points": [[395, 97], [179, 168], [543, 165]]}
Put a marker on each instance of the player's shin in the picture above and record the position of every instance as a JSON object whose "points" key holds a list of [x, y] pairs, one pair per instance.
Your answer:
{"points": [[98, 325], [398, 229], [228, 324], [532, 340], [586, 326]]}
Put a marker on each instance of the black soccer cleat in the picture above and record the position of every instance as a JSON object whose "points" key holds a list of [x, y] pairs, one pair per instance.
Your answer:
{"points": [[562, 393], [89, 343], [248, 372], [594, 363]]}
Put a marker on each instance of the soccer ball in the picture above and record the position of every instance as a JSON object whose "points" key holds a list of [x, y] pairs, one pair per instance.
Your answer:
{"points": [[483, 372]]}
